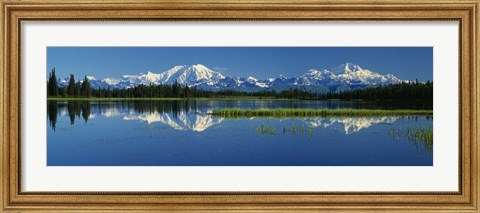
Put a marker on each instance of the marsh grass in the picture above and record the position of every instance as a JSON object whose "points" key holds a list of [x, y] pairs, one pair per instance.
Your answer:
{"points": [[416, 135], [266, 129], [281, 113]]}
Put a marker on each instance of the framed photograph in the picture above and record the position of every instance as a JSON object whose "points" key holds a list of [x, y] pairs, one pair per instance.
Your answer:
{"points": [[239, 106]]}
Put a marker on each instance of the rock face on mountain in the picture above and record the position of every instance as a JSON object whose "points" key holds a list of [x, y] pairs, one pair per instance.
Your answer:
{"points": [[347, 76]]}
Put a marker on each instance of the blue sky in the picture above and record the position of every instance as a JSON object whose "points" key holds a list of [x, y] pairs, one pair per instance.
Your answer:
{"points": [[408, 63]]}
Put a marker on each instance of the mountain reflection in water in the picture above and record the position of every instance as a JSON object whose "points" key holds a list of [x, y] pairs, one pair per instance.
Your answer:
{"points": [[184, 133], [189, 115]]}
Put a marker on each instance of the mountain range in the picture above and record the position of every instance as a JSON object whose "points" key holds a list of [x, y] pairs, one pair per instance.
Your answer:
{"points": [[346, 76]]}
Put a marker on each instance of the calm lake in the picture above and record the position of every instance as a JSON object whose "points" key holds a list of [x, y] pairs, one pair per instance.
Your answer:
{"points": [[183, 133]]}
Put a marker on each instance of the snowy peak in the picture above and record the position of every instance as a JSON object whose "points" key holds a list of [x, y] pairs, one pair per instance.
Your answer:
{"points": [[149, 78], [199, 72], [111, 81], [318, 74], [186, 75], [346, 68], [252, 79], [183, 74], [171, 74]]}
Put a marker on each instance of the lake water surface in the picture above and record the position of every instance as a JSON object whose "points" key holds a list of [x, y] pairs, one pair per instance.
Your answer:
{"points": [[183, 133]]}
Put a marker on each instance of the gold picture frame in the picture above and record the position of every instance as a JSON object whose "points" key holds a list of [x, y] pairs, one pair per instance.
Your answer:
{"points": [[15, 12]]}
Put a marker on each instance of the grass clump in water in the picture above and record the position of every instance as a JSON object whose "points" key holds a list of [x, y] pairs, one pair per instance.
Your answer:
{"points": [[266, 129], [418, 136]]}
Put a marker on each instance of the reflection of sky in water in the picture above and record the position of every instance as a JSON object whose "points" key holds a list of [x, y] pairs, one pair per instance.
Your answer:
{"points": [[178, 133]]}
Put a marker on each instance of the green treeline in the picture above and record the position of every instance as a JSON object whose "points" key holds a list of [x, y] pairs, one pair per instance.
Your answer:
{"points": [[402, 91], [74, 88], [83, 89]]}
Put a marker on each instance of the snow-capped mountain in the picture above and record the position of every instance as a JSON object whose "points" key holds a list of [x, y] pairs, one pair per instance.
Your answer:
{"points": [[184, 75], [344, 77]]}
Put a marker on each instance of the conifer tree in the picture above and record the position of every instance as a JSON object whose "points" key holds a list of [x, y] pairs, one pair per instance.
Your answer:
{"points": [[85, 88], [52, 86], [77, 89], [71, 86]]}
